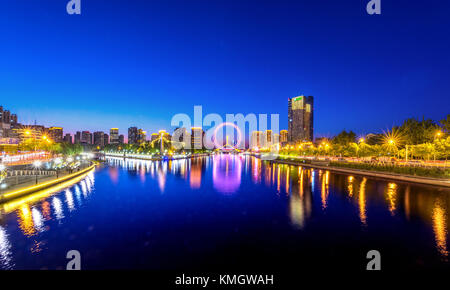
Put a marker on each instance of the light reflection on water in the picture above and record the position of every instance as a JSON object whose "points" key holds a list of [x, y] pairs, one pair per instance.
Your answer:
{"points": [[34, 210], [310, 193]]}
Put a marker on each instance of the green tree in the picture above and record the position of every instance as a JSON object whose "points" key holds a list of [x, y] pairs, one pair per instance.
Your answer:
{"points": [[445, 123], [344, 138]]}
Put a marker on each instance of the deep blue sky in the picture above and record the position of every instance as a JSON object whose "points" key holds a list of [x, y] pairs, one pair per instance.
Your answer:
{"points": [[124, 62]]}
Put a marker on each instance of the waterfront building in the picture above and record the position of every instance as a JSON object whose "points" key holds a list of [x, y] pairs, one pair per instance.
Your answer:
{"points": [[284, 136], [142, 136], [121, 139], [132, 135], [68, 138], [8, 122], [300, 119], [99, 139], [56, 134], [114, 136], [86, 137], [106, 139], [77, 137], [181, 135], [197, 137], [255, 140]]}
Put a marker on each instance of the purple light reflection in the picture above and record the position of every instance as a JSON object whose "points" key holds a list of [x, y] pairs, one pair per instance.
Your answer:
{"points": [[227, 169]]}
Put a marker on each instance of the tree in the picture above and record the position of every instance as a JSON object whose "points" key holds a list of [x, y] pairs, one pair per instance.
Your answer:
{"points": [[344, 138], [418, 132], [445, 123]]}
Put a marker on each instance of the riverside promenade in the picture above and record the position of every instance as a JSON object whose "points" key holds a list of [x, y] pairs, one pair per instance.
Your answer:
{"points": [[377, 174], [35, 183]]}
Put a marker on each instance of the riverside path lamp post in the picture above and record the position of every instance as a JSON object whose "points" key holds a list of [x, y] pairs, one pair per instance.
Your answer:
{"points": [[37, 164]]}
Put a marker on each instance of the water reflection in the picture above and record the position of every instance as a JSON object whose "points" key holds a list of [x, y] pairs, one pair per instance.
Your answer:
{"points": [[391, 192], [196, 173], [307, 197], [5, 250], [227, 171], [440, 229], [362, 202], [34, 210], [300, 204]]}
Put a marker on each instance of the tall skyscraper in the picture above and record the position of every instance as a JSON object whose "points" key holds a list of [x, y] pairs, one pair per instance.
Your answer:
{"points": [[121, 139], [133, 135], [106, 139], [99, 138], [77, 138], [114, 136], [300, 119]]}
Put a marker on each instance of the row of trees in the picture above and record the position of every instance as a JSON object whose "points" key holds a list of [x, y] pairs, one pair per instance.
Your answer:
{"points": [[52, 147], [423, 139]]}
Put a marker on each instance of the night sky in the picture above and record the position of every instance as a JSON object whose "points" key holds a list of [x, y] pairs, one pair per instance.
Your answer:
{"points": [[124, 62]]}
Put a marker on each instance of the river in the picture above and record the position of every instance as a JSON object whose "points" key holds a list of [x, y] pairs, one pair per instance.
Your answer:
{"points": [[226, 212]]}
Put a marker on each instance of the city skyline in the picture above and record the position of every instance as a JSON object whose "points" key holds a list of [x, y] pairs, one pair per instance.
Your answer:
{"points": [[138, 73]]}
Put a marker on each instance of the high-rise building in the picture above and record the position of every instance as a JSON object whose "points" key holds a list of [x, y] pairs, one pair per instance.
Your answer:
{"points": [[99, 138], [8, 122], [121, 139], [284, 136], [56, 134], [68, 138], [77, 138], [106, 139], [142, 136], [197, 137], [133, 135], [255, 139], [114, 136], [86, 137], [300, 119]]}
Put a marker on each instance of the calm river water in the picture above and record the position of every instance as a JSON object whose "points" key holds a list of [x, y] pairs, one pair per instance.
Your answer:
{"points": [[226, 212]]}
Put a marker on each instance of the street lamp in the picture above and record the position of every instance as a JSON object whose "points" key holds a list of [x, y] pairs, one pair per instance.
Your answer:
{"points": [[37, 164], [361, 140]]}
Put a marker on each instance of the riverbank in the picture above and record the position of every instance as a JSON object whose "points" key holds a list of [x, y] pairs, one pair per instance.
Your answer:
{"points": [[152, 158], [376, 174], [29, 188]]}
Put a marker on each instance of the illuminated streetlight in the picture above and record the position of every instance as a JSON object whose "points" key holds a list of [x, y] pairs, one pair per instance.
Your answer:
{"points": [[439, 134], [36, 165], [361, 140]]}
